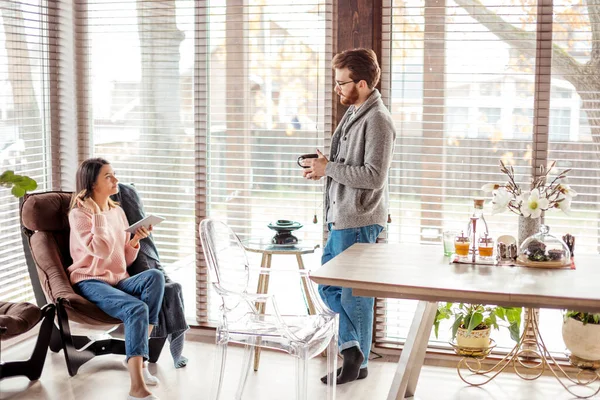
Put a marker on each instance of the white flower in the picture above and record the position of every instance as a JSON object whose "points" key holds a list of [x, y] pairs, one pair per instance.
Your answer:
{"points": [[534, 205], [500, 201], [567, 190], [565, 204], [490, 187]]}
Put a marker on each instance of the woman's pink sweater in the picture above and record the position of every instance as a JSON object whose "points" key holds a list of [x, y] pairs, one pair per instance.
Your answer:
{"points": [[100, 246]]}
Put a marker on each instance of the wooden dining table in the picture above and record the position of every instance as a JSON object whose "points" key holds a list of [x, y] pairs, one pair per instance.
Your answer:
{"points": [[421, 272]]}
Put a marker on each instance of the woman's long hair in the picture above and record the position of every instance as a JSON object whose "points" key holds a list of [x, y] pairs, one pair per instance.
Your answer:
{"points": [[87, 175]]}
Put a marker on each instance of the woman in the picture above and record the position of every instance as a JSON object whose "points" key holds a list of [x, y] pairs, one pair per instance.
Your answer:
{"points": [[101, 252]]}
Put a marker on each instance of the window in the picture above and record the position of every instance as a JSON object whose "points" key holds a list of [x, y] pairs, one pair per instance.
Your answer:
{"points": [[574, 126], [205, 107], [477, 91], [141, 64], [269, 101], [24, 127], [468, 46]]}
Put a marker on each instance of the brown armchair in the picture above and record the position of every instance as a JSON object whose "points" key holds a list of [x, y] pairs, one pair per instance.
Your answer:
{"points": [[45, 225]]}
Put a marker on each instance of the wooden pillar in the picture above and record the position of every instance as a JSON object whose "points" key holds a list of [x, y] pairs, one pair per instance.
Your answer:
{"points": [[434, 75], [358, 25]]}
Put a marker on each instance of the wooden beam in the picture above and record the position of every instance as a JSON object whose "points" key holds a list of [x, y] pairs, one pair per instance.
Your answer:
{"points": [[359, 24]]}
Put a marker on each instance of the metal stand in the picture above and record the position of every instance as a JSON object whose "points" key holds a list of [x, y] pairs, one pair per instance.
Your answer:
{"points": [[532, 356]]}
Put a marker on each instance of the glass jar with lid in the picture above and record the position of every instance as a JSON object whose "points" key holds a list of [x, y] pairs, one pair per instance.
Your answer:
{"points": [[462, 244], [544, 250], [485, 246]]}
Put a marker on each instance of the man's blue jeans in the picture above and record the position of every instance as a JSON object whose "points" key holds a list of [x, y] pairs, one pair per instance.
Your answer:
{"points": [[136, 301], [356, 313]]}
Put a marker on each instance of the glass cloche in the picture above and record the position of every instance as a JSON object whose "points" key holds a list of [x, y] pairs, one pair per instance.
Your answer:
{"points": [[544, 250]]}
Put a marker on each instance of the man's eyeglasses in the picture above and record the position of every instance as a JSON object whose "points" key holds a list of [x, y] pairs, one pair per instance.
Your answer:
{"points": [[340, 84]]}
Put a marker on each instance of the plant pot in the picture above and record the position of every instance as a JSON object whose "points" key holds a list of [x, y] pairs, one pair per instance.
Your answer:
{"points": [[582, 340], [479, 338]]}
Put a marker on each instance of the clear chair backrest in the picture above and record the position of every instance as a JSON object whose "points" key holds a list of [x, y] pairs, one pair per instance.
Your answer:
{"points": [[225, 256]]}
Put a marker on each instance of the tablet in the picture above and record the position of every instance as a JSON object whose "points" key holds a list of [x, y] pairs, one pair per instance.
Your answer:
{"points": [[146, 222]]}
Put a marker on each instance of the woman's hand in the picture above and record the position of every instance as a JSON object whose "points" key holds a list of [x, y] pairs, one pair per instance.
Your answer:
{"points": [[140, 234], [90, 205]]}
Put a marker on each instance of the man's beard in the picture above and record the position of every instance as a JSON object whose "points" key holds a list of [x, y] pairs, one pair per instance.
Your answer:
{"points": [[352, 97]]}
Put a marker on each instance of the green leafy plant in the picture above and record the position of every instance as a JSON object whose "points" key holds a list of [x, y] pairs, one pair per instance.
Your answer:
{"points": [[586, 318], [20, 183], [477, 317]]}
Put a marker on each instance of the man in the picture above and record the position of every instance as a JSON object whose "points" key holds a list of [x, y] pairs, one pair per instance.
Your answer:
{"points": [[356, 194]]}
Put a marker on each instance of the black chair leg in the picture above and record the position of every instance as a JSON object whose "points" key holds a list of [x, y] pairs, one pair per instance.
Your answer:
{"points": [[55, 340], [155, 346], [73, 357], [80, 349], [33, 367]]}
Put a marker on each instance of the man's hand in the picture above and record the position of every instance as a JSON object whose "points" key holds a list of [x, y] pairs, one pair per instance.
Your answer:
{"points": [[316, 167]]}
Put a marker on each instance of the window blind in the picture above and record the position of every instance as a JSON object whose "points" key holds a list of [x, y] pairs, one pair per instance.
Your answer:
{"points": [[24, 126], [574, 123], [140, 69], [513, 81], [461, 92], [205, 106], [268, 100]]}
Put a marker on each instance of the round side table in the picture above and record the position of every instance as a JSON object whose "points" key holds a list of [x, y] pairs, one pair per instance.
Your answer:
{"points": [[267, 249]]}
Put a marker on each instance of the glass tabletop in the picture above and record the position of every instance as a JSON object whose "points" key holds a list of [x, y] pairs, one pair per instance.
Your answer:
{"points": [[264, 245]]}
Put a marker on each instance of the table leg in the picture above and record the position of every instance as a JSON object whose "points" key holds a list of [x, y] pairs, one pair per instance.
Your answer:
{"points": [[263, 288], [261, 281], [413, 353], [305, 282]]}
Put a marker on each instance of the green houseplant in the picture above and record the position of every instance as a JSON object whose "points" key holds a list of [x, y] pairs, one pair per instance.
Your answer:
{"points": [[20, 184], [581, 334], [474, 322]]}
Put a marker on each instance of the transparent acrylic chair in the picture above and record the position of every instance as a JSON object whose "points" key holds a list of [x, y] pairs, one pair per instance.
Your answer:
{"points": [[302, 336]]}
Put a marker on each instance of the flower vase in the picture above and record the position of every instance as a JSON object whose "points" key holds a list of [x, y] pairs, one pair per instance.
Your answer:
{"points": [[527, 227]]}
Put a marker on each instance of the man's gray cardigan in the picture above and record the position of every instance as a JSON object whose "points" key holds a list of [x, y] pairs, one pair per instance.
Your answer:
{"points": [[359, 178]]}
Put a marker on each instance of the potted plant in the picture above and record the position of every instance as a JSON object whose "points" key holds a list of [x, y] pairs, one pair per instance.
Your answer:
{"points": [[473, 322], [20, 183], [581, 334]]}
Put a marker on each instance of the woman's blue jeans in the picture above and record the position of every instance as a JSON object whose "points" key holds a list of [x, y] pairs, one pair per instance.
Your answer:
{"points": [[136, 301], [355, 313]]}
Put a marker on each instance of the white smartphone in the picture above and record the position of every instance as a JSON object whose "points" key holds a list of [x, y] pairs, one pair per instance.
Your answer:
{"points": [[146, 222]]}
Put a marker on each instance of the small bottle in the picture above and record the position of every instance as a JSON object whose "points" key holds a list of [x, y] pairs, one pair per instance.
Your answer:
{"points": [[477, 224]]}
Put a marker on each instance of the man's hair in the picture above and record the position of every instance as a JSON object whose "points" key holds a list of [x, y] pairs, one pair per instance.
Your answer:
{"points": [[362, 64]]}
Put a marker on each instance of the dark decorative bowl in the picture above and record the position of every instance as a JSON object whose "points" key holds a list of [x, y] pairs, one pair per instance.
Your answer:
{"points": [[284, 229]]}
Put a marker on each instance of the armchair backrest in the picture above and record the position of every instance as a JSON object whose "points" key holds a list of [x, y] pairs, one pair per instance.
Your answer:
{"points": [[45, 221], [225, 256]]}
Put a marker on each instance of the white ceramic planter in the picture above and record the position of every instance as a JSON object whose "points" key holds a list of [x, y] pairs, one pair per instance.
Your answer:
{"points": [[582, 340], [477, 338]]}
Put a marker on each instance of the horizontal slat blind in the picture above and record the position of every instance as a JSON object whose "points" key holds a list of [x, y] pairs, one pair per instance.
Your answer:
{"points": [[24, 126], [269, 96], [139, 84], [461, 94], [141, 75], [574, 124]]}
